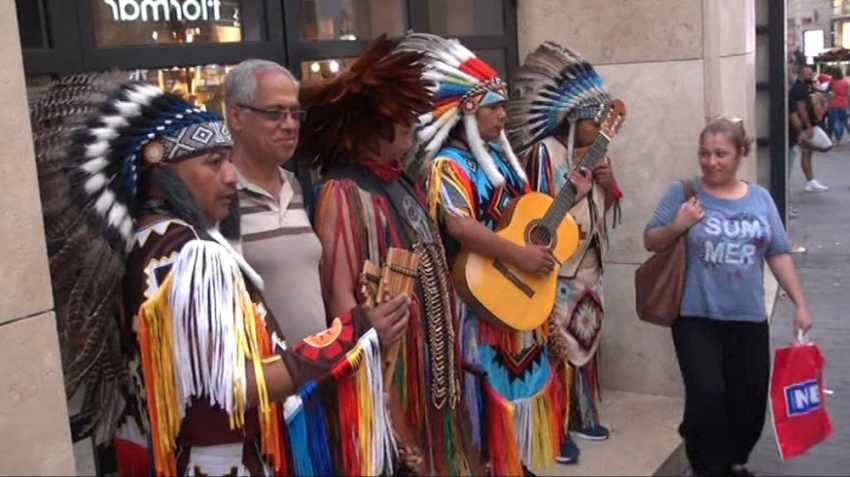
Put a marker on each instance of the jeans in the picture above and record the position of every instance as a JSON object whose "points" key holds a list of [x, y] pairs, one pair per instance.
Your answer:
{"points": [[726, 369], [838, 122]]}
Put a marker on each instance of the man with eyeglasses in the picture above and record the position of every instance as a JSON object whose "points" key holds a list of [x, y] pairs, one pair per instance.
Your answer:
{"points": [[277, 238]]}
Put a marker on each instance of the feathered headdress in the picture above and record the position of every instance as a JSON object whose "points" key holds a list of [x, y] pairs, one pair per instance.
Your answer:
{"points": [[462, 83], [555, 84], [347, 112], [95, 135]]}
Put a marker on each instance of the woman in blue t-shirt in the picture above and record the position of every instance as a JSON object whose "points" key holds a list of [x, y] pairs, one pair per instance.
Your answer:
{"points": [[722, 339]]}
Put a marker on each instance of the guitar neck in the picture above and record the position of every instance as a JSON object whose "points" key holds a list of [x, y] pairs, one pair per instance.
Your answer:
{"points": [[565, 200]]}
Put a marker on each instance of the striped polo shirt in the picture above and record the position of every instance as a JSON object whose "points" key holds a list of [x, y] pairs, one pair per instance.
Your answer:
{"points": [[279, 242]]}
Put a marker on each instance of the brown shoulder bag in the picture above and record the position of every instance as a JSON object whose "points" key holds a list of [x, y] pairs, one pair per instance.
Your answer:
{"points": [[660, 281]]}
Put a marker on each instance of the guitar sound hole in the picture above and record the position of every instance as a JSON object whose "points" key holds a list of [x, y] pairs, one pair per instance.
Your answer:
{"points": [[539, 235]]}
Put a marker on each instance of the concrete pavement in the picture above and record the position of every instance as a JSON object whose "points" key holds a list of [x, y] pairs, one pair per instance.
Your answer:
{"points": [[823, 227]]}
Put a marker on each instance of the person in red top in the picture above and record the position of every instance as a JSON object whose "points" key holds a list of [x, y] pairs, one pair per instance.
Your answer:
{"points": [[838, 104]]}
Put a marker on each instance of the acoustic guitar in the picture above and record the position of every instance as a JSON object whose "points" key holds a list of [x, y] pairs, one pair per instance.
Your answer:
{"points": [[504, 294]]}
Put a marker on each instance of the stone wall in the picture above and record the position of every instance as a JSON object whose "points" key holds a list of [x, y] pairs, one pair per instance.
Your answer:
{"points": [[34, 433], [675, 64]]}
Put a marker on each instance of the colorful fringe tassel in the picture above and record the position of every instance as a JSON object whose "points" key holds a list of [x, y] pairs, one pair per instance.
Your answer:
{"points": [[195, 336], [362, 423], [522, 431], [585, 395]]}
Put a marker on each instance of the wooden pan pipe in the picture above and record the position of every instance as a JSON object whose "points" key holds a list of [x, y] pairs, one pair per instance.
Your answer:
{"points": [[380, 284]]}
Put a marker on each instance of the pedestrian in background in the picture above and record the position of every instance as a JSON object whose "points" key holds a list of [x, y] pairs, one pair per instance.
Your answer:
{"points": [[839, 101]]}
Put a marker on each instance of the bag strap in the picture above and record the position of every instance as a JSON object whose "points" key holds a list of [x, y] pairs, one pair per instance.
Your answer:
{"points": [[689, 189]]}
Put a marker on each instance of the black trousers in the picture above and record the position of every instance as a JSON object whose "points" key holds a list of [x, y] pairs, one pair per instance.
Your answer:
{"points": [[726, 369]]}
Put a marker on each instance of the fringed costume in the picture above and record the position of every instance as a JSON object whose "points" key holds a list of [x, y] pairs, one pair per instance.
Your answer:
{"points": [[511, 388], [174, 364], [367, 205], [556, 90]]}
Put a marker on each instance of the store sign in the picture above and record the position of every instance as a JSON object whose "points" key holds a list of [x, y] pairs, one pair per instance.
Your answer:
{"points": [[164, 10]]}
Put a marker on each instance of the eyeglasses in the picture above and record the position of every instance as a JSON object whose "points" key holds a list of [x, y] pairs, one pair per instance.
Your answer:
{"points": [[277, 114]]}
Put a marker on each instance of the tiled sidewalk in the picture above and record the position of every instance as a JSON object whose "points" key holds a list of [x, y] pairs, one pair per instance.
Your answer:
{"points": [[823, 227]]}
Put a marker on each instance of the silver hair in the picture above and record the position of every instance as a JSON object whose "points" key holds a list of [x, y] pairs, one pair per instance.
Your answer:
{"points": [[240, 86]]}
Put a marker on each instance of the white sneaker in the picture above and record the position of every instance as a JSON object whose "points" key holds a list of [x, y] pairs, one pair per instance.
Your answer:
{"points": [[815, 186], [792, 212]]}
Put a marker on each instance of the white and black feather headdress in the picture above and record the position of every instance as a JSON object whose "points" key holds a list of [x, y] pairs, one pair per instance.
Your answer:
{"points": [[96, 136], [553, 85]]}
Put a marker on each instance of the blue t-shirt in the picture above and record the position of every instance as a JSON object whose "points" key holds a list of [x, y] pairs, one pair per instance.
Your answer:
{"points": [[726, 252]]}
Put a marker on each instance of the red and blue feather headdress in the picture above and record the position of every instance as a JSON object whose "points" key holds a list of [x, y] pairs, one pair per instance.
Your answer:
{"points": [[461, 83]]}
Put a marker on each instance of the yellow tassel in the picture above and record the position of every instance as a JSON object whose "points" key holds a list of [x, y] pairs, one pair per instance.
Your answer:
{"points": [[543, 408], [156, 349], [366, 425]]}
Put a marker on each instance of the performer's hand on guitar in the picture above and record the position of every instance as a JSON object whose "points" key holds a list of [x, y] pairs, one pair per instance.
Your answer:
{"points": [[536, 259], [604, 174], [583, 181], [689, 213], [390, 319]]}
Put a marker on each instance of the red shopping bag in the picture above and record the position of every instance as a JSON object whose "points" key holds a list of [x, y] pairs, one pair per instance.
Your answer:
{"points": [[797, 399]]}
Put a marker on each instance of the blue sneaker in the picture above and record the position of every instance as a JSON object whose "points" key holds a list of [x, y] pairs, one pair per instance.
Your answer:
{"points": [[597, 433], [569, 452]]}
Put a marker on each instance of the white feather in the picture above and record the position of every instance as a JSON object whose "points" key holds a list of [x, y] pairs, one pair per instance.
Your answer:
{"points": [[139, 95], [95, 184], [114, 122], [460, 52], [117, 214], [97, 149], [150, 92], [433, 75], [151, 89], [454, 73], [446, 57], [512, 159], [480, 152], [126, 228], [95, 165], [104, 202], [442, 134], [104, 134], [428, 132], [128, 109]]}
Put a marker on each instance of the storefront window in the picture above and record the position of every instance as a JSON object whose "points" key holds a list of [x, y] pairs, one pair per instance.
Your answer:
{"points": [[160, 22], [202, 86], [466, 17], [30, 27], [352, 19], [323, 69], [840, 7]]}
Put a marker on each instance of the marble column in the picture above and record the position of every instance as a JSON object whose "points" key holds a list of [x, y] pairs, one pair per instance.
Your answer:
{"points": [[34, 432], [675, 64]]}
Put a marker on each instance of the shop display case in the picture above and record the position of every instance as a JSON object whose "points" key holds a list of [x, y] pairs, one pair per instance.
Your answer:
{"points": [[202, 86]]}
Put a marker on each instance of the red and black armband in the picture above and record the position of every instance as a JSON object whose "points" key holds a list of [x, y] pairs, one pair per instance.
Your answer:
{"points": [[316, 355]]}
